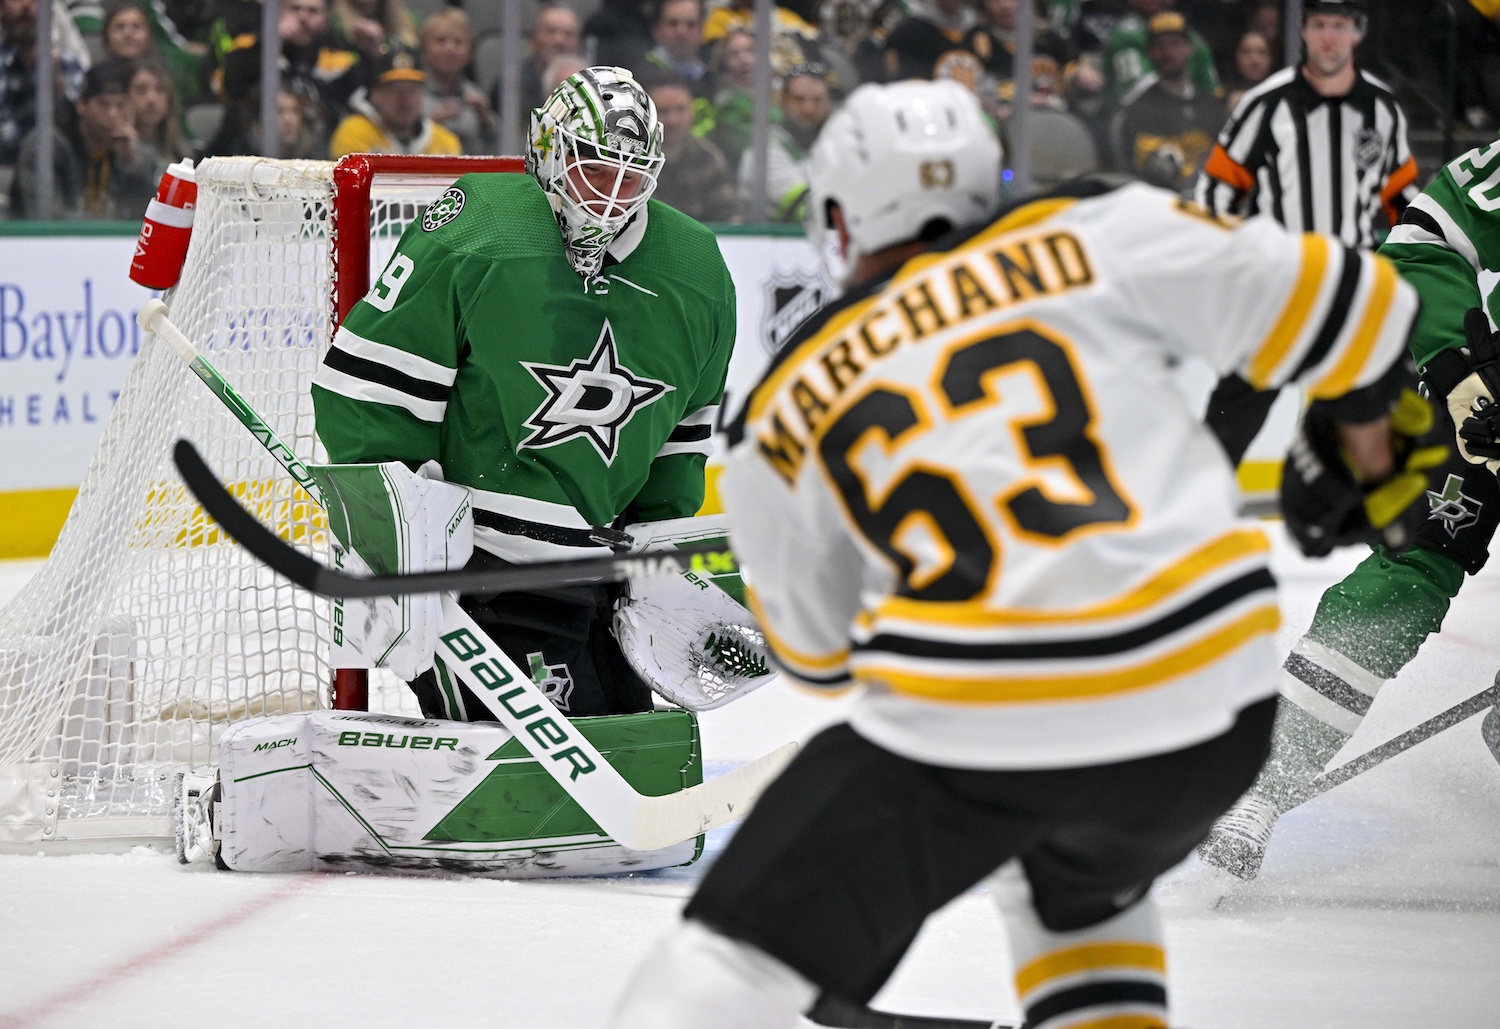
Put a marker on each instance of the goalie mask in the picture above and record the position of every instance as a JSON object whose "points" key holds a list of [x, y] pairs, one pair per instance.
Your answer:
{"points": [[903, 161], [595, 149]]}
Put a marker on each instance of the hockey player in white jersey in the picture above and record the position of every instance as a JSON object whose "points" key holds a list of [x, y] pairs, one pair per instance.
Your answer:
{"points": [[970, 488]]}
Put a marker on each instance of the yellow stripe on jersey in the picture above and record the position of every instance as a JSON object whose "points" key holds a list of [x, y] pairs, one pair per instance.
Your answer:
{"points": [[1292, 323], [1122, 1022], [792, 656], [934, 684], [1089, 957], [1225, 550], [1357, 355]]}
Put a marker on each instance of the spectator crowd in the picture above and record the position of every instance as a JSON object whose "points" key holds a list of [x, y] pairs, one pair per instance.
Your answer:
{"points": [[1137, 86]]}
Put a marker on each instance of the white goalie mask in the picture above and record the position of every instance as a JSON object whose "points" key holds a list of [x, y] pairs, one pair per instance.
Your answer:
{"points": [[901, 161], [595, 149]]}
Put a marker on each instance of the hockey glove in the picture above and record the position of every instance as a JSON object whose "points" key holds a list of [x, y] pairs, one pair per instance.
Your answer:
{"points": [[1325, 506], [1468, 379]]}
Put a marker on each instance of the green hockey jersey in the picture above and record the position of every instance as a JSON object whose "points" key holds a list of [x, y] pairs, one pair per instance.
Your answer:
{"points": [[1448, 246], [561, 403]]}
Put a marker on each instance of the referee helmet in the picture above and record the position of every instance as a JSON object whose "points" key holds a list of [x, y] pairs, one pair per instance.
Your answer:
{"points": [[1352, 8]]}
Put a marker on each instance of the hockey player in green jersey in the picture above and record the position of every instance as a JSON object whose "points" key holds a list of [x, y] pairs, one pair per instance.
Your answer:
{"points": [[555, 343], [1370, 625]]}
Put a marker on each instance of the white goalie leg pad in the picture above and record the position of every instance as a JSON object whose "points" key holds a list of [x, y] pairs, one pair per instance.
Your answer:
{"points": [[691, 642], [345, 790], [263, 814], [397, 521], [696, 977]]}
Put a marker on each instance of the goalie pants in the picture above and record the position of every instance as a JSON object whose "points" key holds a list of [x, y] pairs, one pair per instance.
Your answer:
{"points": [[847, 853], [562, 638]]}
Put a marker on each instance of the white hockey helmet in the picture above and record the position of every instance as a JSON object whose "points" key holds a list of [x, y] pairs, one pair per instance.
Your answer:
{"points": [[903, 161], [595, 149]]}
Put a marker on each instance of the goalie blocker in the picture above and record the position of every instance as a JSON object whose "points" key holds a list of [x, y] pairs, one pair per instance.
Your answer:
{"points": [[334, 790]]}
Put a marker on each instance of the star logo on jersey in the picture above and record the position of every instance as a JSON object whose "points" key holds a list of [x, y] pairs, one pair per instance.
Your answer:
{"points": [[555, 681], [1453, 507], [594, 398], [443, 210]]}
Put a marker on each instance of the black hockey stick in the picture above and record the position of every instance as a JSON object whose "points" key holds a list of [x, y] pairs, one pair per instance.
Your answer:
{"points": [[1485, 698], [318, 578], [832, 1012]]}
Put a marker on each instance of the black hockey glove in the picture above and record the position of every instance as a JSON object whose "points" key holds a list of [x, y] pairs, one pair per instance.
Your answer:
{"points": [[1325, 506], [1467, 379]]}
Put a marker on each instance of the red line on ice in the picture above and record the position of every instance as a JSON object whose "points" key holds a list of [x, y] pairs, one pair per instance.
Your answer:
{"points": [[87, 989]]}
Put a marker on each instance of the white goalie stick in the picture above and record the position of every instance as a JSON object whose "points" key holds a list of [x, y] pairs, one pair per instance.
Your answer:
{"points": [[634, 821]]}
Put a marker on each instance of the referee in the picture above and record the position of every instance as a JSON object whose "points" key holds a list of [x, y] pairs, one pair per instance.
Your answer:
{"points": [[1320, 148]]}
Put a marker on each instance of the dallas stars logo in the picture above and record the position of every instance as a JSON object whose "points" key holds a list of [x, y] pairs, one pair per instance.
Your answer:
{"points": [[594, 398], [1453, 507]]}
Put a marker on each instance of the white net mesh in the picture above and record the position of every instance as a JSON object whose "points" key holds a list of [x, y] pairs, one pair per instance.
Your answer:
{"points": [[147, 631]]}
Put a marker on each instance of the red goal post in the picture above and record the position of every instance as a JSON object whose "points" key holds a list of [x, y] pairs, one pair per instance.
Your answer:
{"points": [[350, 273]]}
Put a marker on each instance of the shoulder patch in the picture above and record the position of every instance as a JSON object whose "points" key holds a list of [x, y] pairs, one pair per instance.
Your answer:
{"points": [[443, 210]]}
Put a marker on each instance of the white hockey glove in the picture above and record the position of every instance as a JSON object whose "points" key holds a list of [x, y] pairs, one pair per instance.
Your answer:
{"points": [[689, 636], [387, 519]]}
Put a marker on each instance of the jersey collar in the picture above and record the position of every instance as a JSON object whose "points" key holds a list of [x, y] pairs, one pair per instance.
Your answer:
{"points": [[623, 245]]}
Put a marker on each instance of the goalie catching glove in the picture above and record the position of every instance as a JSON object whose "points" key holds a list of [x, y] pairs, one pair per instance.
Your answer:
{"points": [[1323, 502], [1468, 378], [387, 519], [688, 636]]}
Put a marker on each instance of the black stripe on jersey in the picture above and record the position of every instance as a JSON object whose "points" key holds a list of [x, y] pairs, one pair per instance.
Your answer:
{"points": [[1304, 164], [1424, 221], [836, 681], [1089, 995], [384, 375], [561, 535], [690, 433], [1099, 646], [1329, 685], [1338, 312], [1336, 161]]}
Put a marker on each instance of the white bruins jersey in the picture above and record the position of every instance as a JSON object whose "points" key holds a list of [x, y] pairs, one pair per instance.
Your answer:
{"points": [[974, 490]]}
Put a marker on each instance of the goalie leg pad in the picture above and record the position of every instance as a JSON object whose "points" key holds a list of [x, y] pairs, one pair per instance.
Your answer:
{"points": [[350, 790], [387, 519]]}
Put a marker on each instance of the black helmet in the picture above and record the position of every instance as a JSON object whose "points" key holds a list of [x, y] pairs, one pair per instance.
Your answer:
{"points": [[1353, 8]]}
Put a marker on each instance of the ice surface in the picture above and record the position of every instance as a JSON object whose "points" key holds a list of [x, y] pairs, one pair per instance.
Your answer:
{"points": [[1378, 907]]}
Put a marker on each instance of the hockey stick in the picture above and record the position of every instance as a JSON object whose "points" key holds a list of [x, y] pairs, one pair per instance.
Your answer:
{"points": [[1485, 698], [316, 577], [629, 818], [832, 1012]]}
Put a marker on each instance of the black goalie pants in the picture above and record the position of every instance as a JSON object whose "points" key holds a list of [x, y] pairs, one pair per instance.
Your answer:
{"points": [[848, 852], [562, 639]]}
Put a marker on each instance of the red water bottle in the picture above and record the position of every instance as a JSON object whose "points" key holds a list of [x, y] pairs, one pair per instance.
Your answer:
{"points": [[162, 245]]}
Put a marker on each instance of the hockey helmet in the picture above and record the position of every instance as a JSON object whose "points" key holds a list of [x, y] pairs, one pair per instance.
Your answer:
{"points": [[903, 161], [595, 149]]}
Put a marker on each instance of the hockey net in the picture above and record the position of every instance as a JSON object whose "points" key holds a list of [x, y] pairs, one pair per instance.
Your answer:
{"points": [[147, 632]]}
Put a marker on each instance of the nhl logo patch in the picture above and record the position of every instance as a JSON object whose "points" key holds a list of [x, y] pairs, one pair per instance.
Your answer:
{"points": [[790, 299], [1367, 149], [443, 210]]}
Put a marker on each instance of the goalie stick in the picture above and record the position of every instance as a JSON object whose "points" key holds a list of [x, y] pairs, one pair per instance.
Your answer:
{"points": [[634, 821]]}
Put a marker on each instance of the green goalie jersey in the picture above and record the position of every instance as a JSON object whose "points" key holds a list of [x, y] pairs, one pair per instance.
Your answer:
{"points": [[1448, 246], [563, 404]]}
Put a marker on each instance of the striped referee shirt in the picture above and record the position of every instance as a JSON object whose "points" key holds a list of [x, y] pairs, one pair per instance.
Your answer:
{"points": [[1339, 165]]}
